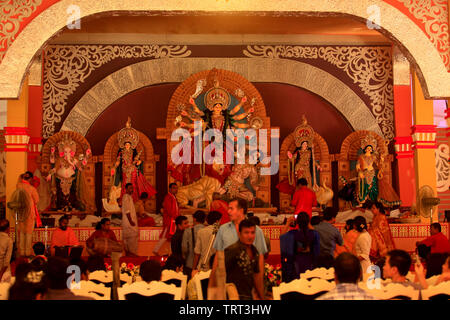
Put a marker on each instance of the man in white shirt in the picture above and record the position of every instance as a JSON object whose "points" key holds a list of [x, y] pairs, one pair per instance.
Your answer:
{"points": [[130, 232]]}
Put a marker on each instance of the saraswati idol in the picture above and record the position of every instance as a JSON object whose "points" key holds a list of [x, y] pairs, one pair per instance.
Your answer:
{"points": [[129, 168]]}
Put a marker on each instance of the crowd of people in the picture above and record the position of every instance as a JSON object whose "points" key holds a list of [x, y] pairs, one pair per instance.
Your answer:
{"points": [[236, 245]]}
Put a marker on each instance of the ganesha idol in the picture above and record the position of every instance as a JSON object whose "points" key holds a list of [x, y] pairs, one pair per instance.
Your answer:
{"points": [[68, 182]]}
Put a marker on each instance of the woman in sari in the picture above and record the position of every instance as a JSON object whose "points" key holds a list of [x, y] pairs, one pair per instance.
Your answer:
{"points": [[382, 240], [349, 239]]}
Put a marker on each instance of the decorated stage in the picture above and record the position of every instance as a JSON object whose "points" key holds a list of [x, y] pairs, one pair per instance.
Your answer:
{"points": [[405, 236]]}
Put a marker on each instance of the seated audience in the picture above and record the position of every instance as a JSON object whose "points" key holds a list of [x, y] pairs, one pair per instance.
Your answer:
{"points": [[349, 239], [438, 242], [299, 248], [95, 263], [398, 263], [57, 277], [143, 209], [329, 237], [150, 270], [347, 272], [84, 273], [204, 237], [174, 263], [434, 264], [30, 283], [243, 263], [103, 230], [189, 239], [63, 236], [6, 248], [39, 251]]}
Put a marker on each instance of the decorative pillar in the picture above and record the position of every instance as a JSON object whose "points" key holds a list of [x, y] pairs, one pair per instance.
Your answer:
{"points": [[35, 93], [16, 142], [424, 142], [403, 121]]}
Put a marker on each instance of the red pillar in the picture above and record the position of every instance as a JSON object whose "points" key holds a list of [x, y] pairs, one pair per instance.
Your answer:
{"points": [[403, 141]]}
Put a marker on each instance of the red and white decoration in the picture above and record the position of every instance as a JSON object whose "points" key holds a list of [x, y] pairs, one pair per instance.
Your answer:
{"points": [[403, 147], [424, 137], [16, 139]]}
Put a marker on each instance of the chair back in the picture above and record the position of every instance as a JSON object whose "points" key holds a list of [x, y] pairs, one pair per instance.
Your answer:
{"points": [[200, 278], [168, 275], [392, 291], [320, 273], [141, 290], [439, 292], [91, 289], [302, 289], [107, 277]]}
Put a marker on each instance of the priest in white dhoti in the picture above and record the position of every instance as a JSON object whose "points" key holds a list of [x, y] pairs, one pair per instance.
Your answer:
{"points": [[130, 232]]}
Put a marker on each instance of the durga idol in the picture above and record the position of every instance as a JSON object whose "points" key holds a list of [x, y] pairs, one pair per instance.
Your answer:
{"points": [[129, 167]]}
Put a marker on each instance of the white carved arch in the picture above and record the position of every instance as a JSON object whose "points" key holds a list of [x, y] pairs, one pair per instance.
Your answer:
{"points": [[146, 73]]}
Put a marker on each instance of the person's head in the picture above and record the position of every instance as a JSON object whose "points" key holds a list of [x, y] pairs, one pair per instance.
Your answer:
{"points": [[446, 265], [213, 217], [377, 208], [304, 145], [368, 149], [302, 182], [434, 263], [181, 222], [104, 225], [38, 249], [315, 220], [173, 188], [144, 196], [63, 222], [129, 188], [57, 272], [397, 264], [174, 263], [27, 176], [150, 270], [329, 214], [27, 290], [84, 274], [435, 228], [4, 225], [95, 263], [303, 221], [349, 225], [199, 217], [237, 209], [127, 145], [347, 268], [360, 223], [247, 231], [255, 220]]}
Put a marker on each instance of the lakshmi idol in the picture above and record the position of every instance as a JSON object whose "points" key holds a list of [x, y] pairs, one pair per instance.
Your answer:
{"points": [[128, 167]]}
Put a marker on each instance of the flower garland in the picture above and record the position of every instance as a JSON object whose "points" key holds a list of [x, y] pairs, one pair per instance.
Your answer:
{"points": [[272, 276]]}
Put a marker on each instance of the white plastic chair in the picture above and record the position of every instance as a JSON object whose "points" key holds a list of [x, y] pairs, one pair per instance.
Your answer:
{"points": [[441, 288], [303, 286], [391, 290], [197, 279], [149, 289], [98, 291], [320, 273], [170, 275]]}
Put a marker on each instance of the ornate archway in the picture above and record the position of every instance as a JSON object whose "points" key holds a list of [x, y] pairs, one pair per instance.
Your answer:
{"points": [[150, 72], [398, 26]]}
